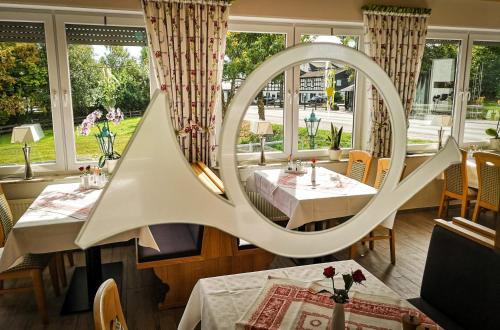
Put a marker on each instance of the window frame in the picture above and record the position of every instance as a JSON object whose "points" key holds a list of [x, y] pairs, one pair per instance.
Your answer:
{"points": [[472, 37], [55, 103], [332, 30], [458, 90], [287, 30], [61, 20]]}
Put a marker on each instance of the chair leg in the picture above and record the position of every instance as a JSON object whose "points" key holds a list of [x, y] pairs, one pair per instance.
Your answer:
{"points": [[54, 277], [441, 206], [463, 209], [36, 276], [371, 244], [476, 212], [353, 251], [70, 258], [61, 269], [392, 246]]}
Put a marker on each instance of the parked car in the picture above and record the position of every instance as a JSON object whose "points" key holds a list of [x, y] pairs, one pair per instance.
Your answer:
{"points": [[269, 100], [317, 99]]}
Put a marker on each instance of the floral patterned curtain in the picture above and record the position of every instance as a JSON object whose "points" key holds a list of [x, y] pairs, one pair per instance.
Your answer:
{"points": [[187, 40], [395, 39]]}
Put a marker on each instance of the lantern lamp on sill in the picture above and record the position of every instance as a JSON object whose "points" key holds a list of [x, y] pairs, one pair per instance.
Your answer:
{"points": [[312, 125], [262, 129]]}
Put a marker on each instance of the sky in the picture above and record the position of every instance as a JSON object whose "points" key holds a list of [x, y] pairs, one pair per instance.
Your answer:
{"points": [[100, 51]]}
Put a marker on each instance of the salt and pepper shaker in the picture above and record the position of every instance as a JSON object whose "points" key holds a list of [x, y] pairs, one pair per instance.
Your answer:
{"points": [[290, 163]]}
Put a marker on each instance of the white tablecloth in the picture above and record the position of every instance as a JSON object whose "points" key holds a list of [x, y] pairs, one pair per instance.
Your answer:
{"points": [[333, 196], [219, 302], [53, 221]]}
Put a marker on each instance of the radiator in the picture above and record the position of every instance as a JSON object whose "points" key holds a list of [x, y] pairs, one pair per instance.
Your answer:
{"points": [[19, 206], [265, 207]]}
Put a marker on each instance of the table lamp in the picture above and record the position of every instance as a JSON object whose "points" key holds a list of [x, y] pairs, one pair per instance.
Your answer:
{"points": [[262, 128], [26, 134], [441, 121]]}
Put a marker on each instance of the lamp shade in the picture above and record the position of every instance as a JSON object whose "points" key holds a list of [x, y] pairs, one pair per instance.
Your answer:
{"points": [[26, 133], [443, 121], [262, 128]]}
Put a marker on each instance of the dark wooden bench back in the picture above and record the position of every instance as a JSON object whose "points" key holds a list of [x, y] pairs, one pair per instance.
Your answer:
{"points": [[462, 278]]}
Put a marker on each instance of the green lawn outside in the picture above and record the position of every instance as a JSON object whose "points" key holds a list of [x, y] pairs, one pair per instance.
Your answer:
{"points": [[86, 146]]}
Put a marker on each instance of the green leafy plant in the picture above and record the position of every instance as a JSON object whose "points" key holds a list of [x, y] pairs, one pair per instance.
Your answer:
{"points": [[495, 133], [335, 137], [341, 296]]}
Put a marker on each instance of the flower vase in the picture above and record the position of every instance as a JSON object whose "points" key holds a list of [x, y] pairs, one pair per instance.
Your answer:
{"points": [[110, 165], [338, 317], [85, 182], [313, 175]]}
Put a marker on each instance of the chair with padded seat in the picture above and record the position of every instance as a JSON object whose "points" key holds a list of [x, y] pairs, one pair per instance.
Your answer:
{"points": [[456, 186], [108, 313], [383, 165], [488, 175], [31, 266], [358, 167]]}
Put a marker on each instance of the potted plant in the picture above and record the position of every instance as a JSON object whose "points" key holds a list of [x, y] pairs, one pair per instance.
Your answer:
{"points": [[335, 136], [495, 134], [104, 136]]}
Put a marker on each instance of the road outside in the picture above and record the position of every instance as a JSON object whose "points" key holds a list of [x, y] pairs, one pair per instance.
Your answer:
{"points": [[419, 129]]}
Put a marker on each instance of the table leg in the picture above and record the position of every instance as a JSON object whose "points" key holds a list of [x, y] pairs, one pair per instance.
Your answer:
{"points": [[86, 281]]}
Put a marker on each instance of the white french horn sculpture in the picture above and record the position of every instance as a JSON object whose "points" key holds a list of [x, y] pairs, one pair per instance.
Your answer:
{"points": [[154, 183]]}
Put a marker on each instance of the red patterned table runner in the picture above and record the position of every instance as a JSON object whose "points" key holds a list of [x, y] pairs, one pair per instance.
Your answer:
{"points": [[288, 304]]}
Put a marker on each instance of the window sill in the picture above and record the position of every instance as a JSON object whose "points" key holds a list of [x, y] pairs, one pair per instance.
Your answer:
{"points": [[56, 178]]}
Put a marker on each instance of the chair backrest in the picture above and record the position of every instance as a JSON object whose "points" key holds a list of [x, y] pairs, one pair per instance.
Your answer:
{"points": [[108, 314], [358, 167], [488, 175], [461, 277], [383, 165], [455, 177], [6, 219]]}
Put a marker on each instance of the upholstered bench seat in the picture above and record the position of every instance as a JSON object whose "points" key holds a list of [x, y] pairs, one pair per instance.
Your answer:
{"points": [[460, 286], [174, 240]]}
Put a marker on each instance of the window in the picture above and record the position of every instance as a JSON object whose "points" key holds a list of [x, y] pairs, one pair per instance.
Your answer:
{"points": [[24, 91], [327, 89], [483, 109], [109, 68], [434, 101], [244, 52]]}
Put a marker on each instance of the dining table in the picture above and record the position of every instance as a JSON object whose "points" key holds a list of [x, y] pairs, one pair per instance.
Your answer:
{"points": [[294, 298], [51, 224], [303, 200]]}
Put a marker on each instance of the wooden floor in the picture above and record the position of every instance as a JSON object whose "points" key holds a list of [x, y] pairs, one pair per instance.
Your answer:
{"points": [[142, 290]]}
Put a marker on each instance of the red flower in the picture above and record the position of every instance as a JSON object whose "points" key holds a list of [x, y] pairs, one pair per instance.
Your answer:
{"points": [[81, 168], [329, 272], [153, 19], [163, 87], [157, 53], [313, 160], [358, 277], [87, 168]]}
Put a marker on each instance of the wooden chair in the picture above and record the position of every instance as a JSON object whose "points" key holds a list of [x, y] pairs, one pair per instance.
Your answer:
{"points": [[358, 167], [488, 175], [108, 313], [456, 186], [31, 266], [383, 165]]}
